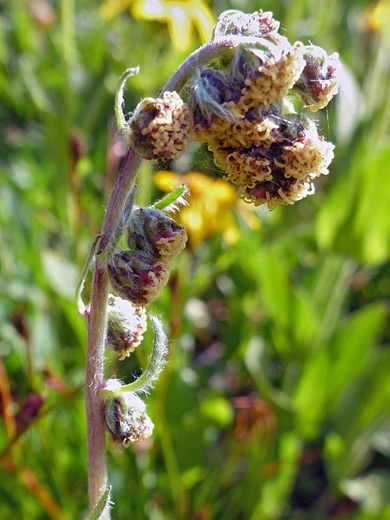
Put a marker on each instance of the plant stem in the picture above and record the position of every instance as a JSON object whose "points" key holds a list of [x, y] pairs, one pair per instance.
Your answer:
{"points": [[97, 473], [208, 52]]}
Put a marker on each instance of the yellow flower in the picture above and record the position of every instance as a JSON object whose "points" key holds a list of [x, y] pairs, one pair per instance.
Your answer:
{"points": [[179, 15], [376, 18], [210, 206]]}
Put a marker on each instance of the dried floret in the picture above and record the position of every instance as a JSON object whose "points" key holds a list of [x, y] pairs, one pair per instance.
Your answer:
{"points": [[274, 194], [258, 24]]}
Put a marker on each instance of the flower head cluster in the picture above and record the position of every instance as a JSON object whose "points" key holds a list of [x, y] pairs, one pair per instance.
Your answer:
{"points": [[124, 412], [161, 127], [241, 111], [140, 273], [126, 325]]}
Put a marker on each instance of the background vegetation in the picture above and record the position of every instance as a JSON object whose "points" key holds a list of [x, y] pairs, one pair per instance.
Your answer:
{"points": [[274, 404]]}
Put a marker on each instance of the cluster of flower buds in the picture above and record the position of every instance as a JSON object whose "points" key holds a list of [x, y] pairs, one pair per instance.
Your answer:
{"points": [[139, 273], [126, 325], [242, 110], [124, 412], [125, 415], [161, 128]]}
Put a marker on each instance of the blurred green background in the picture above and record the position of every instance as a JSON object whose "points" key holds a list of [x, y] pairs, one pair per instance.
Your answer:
{"points": [[275, 402]]}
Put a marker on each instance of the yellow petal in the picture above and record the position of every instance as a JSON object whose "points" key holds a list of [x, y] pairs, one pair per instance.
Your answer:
{"points": [[166, 181], [210, 204], [111, 8], [192, 218], [149, 10], [376, 17], [204, 20], [176, 14], [180, 26], [230, 231]]}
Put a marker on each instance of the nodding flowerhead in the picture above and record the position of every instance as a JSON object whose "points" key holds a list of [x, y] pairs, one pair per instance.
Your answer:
{"points": [[319, 81], [126, 324], [278, 169], [125, 416], [136, 277], [153, 231], [139, 273], [243, 110], [213, 94]]}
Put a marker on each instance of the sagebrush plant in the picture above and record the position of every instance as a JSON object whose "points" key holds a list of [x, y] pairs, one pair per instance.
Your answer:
{"points": [[248, 95]]}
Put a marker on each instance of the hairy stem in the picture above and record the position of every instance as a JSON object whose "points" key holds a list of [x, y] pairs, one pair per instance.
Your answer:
{"points": [[208, 52], [97, 473]]}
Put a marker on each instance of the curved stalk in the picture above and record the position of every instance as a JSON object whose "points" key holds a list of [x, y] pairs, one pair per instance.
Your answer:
{"points": [[202, 56]]}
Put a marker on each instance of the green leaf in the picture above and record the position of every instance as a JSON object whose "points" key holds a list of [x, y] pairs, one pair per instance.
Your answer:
{"points": [[272, 276], [334, 211], [334, 286], [257, 364], [311, 392], [352, 344], [276, 489], [304, 317], [372, 218], [104, 501], [217, 408]]}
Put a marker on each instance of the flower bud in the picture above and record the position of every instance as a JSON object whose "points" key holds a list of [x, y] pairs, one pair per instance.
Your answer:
{"points": [[153, 231], [161, 127], [126, 324], [319, 80], [136, 277], [125, 416]]}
